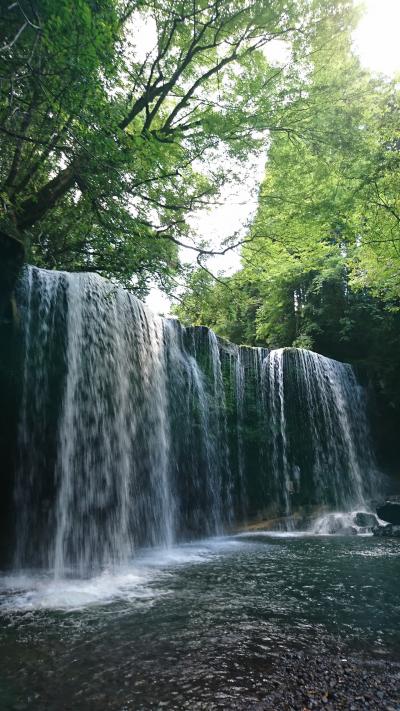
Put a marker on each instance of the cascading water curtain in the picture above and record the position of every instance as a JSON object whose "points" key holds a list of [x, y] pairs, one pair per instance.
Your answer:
{"points": [[123, 437], [135, 431], [318, 431]]}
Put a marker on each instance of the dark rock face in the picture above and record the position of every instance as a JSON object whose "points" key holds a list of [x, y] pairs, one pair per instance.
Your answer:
{"points": [[11, 260], [390, 512], [389, 531]]}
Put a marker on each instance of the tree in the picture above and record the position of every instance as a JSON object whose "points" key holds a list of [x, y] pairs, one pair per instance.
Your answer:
{"points": [[104, 153], [321, 258], [375, 261]]}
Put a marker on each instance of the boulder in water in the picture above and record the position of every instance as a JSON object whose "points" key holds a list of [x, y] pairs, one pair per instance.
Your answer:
{"points": [[390, 512], [365, 520], [389, 531]]}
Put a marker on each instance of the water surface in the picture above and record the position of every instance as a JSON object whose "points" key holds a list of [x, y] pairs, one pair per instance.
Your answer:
{"points": [[198, 626]]}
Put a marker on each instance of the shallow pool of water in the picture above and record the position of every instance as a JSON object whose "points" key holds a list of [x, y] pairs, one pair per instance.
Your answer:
{"points": [[200, 623]]}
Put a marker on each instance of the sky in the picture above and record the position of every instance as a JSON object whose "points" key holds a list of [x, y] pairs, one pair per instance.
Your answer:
{"points": [[377, 36], [376, 40]]}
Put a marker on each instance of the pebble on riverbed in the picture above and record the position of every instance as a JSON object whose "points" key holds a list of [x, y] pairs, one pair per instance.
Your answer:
{"points": [[304, 682]]}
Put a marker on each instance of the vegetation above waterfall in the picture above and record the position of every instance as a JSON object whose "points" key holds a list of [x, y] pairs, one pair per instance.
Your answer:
{"points": [[320, 266], [120, 118], [324, 243]]}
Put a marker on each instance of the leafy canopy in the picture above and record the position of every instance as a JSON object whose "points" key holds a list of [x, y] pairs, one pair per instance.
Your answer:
{"points": [[106, 152], [324, 245]]}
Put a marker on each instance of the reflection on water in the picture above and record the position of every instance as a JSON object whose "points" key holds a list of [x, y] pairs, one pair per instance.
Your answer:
{"points": [[184, 627]]}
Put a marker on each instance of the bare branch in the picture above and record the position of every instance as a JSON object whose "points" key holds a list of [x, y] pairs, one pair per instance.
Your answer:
{"points": [[8, 46], [220, 281]]}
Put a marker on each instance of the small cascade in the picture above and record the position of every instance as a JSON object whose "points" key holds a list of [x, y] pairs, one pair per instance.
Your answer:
{"points": [[318, 432], [239, 389], [348, 523], [196, 459], [273, 376], [41, 298], [220, 422], [135, 431]]}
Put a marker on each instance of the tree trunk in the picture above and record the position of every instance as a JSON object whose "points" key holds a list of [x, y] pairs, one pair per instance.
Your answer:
{"points": [[32, 210]]}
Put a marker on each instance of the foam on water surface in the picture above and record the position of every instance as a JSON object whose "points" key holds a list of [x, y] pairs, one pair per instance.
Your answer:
{"points": [[136, 581]]}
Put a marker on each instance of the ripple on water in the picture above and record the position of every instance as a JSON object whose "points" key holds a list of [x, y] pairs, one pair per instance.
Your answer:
{"points": [[195, 621]]}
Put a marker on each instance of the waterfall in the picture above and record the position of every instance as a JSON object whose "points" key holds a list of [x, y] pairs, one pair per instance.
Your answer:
{"points": [[135, 431], [318, 430], [239, 380], [136, 451], [195, 408], [112, 436], [273, 375]]}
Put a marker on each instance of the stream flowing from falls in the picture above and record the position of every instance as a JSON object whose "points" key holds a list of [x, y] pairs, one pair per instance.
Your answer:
{"points": [[136, 432]]}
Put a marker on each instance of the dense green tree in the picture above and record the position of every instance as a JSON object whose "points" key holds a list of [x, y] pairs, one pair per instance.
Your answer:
{"points": [[321, 261], [375, 259], [326, 235], [228, 306], [104, 151]]}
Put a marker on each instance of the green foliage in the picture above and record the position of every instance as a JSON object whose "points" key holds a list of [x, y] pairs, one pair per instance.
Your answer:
{"points": [[321, 262], [106, 152]]}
